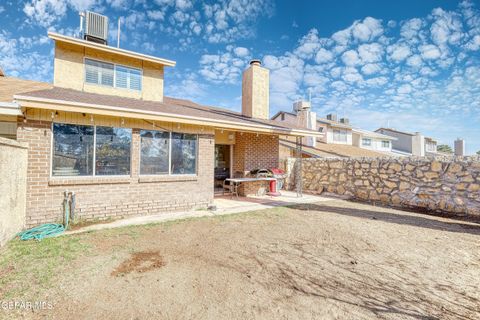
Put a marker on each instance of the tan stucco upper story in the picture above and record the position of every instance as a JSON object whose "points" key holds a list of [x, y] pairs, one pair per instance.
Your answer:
{"points": [[70, 69]]}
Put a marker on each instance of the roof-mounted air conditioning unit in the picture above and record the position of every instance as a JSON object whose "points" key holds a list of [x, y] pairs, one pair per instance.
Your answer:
{"points": [[96, 27]]}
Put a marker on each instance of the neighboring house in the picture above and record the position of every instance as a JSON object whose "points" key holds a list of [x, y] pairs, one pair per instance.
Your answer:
{"points": [[372, 140], [336, 132], [324, 150], [410, 143], [106, 131], [334, 139]]}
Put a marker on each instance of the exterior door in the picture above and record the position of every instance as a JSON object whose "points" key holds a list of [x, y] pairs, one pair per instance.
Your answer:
{"points": [[222, 164]]}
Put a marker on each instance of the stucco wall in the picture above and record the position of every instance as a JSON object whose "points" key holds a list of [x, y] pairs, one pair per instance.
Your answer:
{"points": [[69, 72], [13, 170], [443, 184]]}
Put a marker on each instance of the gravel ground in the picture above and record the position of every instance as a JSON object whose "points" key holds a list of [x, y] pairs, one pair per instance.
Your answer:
{"points": [[330, 260]]}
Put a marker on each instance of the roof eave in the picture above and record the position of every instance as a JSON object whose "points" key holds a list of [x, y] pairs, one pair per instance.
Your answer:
{"points": [[10, 109], [69, 106], [59, 37]]}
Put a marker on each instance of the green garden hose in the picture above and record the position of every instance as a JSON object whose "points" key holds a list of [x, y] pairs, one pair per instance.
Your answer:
{"points": [[42, 231], [47, 230]]}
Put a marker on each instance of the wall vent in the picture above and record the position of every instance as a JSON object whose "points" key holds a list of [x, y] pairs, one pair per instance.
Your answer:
{"points": [[96, 27]]}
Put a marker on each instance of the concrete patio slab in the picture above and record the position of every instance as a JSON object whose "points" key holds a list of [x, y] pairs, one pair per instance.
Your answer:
{"points": [[223, 205]]}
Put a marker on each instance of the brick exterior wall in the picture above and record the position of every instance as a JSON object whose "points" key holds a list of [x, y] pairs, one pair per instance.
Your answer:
{"points": [[254, 152], [112, 197]]}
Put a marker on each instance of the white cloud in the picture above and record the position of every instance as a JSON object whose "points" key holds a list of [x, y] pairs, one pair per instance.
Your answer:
{"points": [[241, 52], [370, 69], [411, 28], [404, 89], [351, 58], [45, 12], [367, 30], [430, 52], [399, 52], [414, 61], [323, 56], [372, 52]]}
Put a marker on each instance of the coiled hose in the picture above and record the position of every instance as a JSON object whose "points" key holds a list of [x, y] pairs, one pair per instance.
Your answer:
{"points": [[49, 229]]}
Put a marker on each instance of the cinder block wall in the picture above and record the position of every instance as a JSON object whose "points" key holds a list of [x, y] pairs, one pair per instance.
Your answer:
{"points": [[444, 184], [252, 151], [13, 168], [110, 197]]}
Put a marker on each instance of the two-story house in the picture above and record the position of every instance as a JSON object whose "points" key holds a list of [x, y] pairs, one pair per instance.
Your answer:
{"points": [[410, 143], [372, 140], [106, 131]]}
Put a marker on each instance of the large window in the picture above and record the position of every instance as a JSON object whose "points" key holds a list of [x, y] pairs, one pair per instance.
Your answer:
{"points": [[77, 148], [366, 142], [112, 75], [339, 135], [112, 151], [154, 152], [168, 153], [72, 150], [184, 153]]}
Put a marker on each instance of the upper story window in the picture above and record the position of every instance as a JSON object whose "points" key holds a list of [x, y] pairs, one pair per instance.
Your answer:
{"points": [[112, 75], [339, 135], [366, 142], [99, 72], [385, 144]]}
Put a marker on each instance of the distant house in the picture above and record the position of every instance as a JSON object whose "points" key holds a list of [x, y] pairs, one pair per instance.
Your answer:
{"points": [[410, 143], [372, 140], [334, 139]]}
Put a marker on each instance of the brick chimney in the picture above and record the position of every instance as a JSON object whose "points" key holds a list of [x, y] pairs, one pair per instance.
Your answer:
{"points": [[255, 91]]}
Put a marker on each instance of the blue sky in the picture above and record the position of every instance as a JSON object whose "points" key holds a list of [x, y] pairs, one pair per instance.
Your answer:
{"points": [[414, 65]]}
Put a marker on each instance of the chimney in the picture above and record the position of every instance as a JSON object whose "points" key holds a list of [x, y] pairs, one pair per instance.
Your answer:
{"points": [[332, 117], [459, 147], [418, 145], [255, 91], [306, 119]]}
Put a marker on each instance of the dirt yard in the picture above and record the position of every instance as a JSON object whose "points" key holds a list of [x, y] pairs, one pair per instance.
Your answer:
{"points": [[331, 260]]}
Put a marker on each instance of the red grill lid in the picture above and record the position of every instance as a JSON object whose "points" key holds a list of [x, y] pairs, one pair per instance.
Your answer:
{"points": [[277, 171]]}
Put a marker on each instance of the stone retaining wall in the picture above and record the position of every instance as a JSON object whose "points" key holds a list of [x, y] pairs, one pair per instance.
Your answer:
{"points": [[444, 184]]}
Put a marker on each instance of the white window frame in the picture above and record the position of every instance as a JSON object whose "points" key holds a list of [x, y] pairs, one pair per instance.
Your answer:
{"points": [[369, 144], [385, 142], [169, 174], [114, 75], [340, 132], [93, 175]]}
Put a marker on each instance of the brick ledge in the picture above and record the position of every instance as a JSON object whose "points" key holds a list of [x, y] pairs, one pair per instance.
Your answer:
{"points": [[88, 180], [148, 179]]}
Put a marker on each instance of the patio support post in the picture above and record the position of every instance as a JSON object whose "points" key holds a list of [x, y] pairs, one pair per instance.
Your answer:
{"points": [[298, 166]]}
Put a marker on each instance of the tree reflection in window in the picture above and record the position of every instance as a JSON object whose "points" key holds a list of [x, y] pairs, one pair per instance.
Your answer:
{"points": [[184, 153], [73, 150], [154, 152], [112, 151]]}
